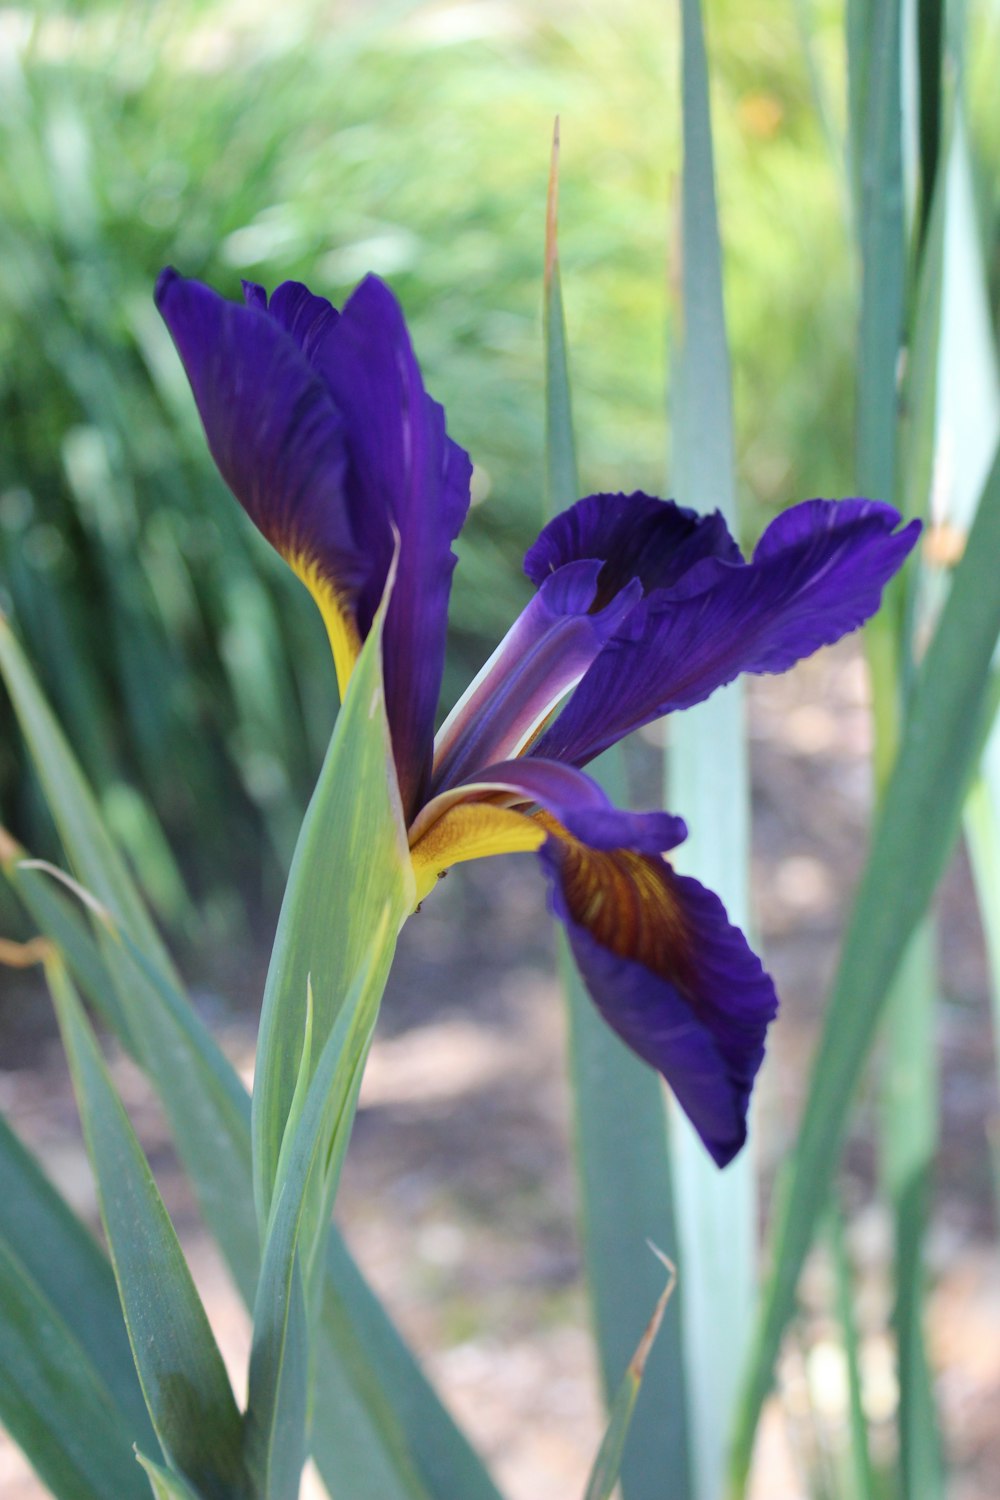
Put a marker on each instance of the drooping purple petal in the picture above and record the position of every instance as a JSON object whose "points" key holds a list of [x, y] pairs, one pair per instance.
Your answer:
{"points": [[671, 976], [272, 428], [544, 654], [817, 574], [402, 466], [635, 536]]}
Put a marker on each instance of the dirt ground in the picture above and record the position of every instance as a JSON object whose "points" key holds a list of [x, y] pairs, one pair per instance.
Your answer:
{"points": [[458, 1194]]}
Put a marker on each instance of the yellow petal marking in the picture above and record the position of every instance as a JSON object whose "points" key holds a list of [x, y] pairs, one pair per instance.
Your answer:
{"points": [[470, 830], [345, 642]]}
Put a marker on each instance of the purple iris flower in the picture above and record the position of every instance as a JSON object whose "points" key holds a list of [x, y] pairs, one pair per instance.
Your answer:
{"points": [[319, 423]]}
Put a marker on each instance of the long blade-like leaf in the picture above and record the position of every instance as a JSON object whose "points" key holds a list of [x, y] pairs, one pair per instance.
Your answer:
{"points": [[707, 781], [184, 1380], [618, 1104], [862, 1478], [909, 1142], [95, 858], [883, 257], [351, 862], [914, 833], [38, 1229], [165, 1486], [308, 1172], [607, 1466], [53, 1401], [930, 59]]}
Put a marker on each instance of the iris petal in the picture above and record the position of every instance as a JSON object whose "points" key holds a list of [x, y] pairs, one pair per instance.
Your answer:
{"points": [[635, 536], [403, 469], [818, 572], [278, 440], [545, 653], [304, 316], [470, 830], [670, 974], [665, 967]]}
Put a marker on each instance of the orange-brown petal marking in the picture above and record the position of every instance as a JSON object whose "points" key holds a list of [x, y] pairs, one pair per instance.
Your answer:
{"points": [[470, 830], [625, 901], [669, 973]]}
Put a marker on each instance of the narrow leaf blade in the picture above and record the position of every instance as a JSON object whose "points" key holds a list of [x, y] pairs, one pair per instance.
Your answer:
{"points": [[187, 1390], [165, 1486], [308, 1171], [53, 1402], [607, 1466], [619, 1117], [707, 781], [38, 1229]]}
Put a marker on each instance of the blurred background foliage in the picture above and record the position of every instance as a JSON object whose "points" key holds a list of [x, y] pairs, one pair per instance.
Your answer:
{"points": [[318, 141]]}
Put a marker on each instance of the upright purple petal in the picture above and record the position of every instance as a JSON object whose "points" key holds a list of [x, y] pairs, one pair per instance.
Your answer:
{"points": [[303, 315], [272, 428], [817, 574], [544, 654], [403, 466], [671, 976], [635, 536]]}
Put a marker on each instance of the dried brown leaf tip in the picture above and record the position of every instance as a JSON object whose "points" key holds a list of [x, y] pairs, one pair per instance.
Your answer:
{"points": [[637, 1364], [25, 955]]}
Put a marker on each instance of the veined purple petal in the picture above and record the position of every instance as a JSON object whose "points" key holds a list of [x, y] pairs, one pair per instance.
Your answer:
{"points": [[544, 654], [818, 572], [303, 315], [272, 428], [635, 536], [671, 976], [404, 469]]}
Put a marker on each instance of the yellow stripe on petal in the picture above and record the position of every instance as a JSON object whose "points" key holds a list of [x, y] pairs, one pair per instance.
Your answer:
{"points": [[345, 642], [471, 830]]}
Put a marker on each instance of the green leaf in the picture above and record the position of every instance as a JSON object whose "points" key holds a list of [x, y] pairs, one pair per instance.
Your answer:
{"points": [[380, 1431], [619, 1118], [909, 1143], [53, 1401], [69, 1270], [862, 1480], [982, 832], [707, 781], [914, 834], [607, 1466], [930, 60], [308, 1172], [165, 1486], [401, 1438], [562, 486], [883, 258], [858, 16], [184, 1380], [58, 915], [351, 862], [94, 857]]}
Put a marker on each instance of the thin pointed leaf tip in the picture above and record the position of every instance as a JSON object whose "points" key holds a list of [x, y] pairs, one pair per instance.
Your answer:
{"points": [[320, 424]]}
